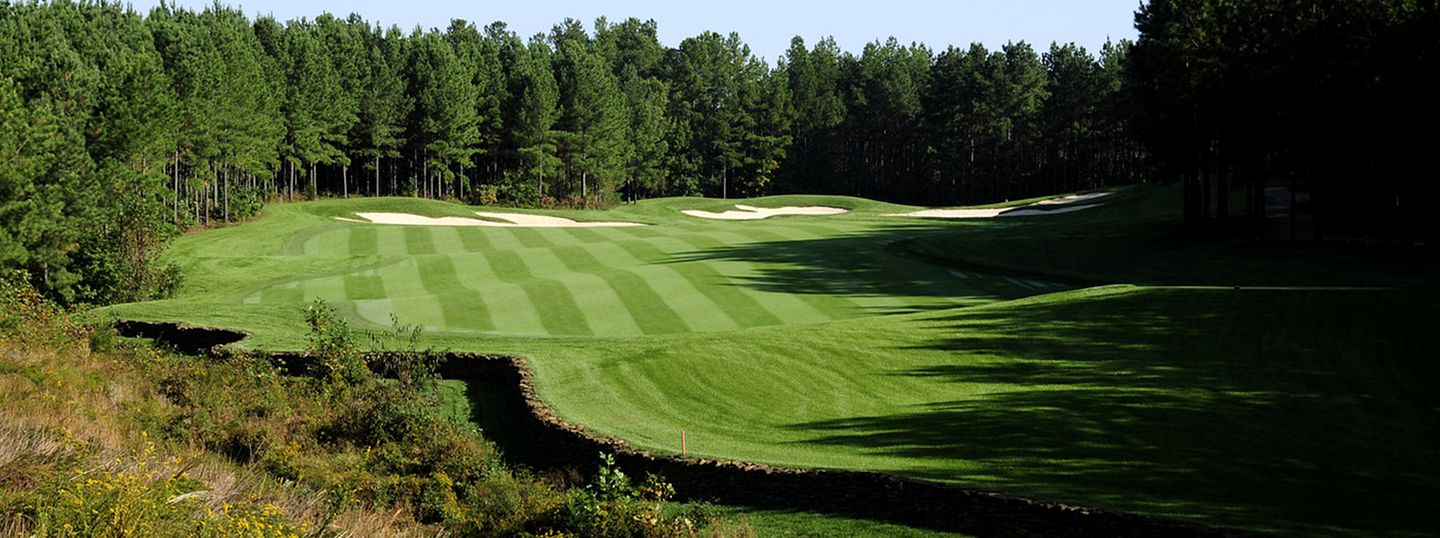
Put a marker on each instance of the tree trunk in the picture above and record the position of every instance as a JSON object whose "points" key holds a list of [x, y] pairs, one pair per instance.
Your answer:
{"points": [[1204, 190], [344, 181], [176, 174], [377, 175], [1222, 192]]}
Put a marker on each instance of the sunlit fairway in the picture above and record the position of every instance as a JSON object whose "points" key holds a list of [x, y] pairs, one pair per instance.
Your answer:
{"points": [[1082, 357]]}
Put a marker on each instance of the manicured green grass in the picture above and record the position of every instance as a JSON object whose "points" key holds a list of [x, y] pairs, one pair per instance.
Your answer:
{"points": [[841, 342], [683, 275]]}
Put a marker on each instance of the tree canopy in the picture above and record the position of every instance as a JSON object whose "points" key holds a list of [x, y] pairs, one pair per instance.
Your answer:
{"points": [[117, 121]]}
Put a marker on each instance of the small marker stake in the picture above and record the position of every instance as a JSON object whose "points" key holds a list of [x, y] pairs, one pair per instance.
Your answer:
{"points": [[682, 442]]}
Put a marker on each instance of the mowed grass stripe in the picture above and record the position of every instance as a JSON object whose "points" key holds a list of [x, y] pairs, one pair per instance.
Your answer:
{"points": [[391, 241], [559, 313], [697, 309], [585, 236], [403, 279], [531, 238], [676, 287], [602, 305], [475, 240], [418, 240], [642, 232], [290, 292], [364, 241], [462, 307], [744, 305], [745, 309], [364, 285], [793, 307], [647, 309], [446, 240], [329, 288], [741, 310]]}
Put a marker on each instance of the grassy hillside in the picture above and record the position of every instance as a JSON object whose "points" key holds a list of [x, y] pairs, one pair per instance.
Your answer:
{"points": [[968, 352], [681, 275]]}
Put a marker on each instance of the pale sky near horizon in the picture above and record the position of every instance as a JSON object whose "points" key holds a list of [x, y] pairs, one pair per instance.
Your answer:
{"points": [[767, 26]]}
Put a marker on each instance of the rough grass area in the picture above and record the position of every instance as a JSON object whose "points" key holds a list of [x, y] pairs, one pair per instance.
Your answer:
{"points": [[104, 437], [968, 352]]}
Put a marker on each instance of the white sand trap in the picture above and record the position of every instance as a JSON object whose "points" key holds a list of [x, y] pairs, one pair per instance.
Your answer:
{"points": [[1038, 212], [1074, 198], [512, 220], [543, 221], [756, 213], [954, 213], [1019, 211]]}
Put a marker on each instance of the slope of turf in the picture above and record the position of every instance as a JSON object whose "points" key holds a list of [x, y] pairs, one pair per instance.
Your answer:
{"points": [[661, 279], [835, 342]]}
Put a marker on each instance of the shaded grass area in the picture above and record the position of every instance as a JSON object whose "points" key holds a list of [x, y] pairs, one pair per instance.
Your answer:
{"points": [[1308, 412], [1137, 238]]}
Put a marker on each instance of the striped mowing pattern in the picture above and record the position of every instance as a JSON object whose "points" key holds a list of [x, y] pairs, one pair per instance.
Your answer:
{"points": [[626, 281]]}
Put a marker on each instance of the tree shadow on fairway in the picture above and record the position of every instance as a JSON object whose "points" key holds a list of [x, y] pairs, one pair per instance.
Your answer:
{"points": [[870, 264], [1299, 412]]}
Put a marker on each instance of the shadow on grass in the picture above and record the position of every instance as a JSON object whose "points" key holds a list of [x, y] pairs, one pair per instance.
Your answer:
{"points": [[1299, 412], [871, 264]]}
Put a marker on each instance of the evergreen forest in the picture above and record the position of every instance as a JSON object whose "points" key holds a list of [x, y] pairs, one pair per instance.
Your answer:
{"points": [[120, 130]]}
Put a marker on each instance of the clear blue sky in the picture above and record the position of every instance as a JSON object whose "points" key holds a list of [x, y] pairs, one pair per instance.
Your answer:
{"points": [[766, 26]]}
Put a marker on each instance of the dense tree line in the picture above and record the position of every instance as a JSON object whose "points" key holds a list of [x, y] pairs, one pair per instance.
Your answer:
{"points": [[1334, 97], [121, 129]]}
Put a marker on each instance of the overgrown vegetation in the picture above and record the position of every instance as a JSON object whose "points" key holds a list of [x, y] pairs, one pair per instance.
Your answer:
{"points": [[112, 438]]}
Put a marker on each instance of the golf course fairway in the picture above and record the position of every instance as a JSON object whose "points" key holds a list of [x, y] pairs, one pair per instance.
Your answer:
{"points": [[1271, 390]]}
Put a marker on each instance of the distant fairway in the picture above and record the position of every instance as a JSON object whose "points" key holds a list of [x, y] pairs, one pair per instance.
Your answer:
{"points": [[687, 275], [983, 353]]}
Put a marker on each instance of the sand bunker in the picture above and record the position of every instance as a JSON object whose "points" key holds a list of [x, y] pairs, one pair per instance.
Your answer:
{"points": [[756, 213], [1073, 198], [1019, 211], [954, 213], [510, 220], [1036, 212]]}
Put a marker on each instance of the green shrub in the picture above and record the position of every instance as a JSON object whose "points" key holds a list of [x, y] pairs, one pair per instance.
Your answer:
{"points": [[483, 195], [612, 506], [337, 361]]}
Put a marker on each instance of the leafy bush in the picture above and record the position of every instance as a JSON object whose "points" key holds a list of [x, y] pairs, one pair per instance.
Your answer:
{"points": [[245, 202], [612, 506], [483, 195], [27, 316], [337, 360]]}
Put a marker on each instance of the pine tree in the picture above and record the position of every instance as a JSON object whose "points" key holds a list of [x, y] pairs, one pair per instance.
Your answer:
{"points": [[383, 104], [594, 121], [319, 113], [445, 119], [646, 99], [537, 98]]}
